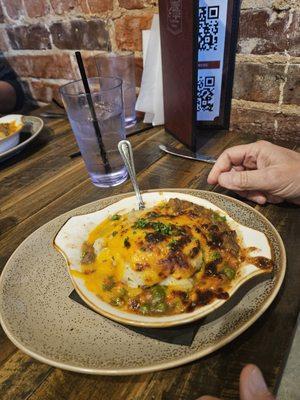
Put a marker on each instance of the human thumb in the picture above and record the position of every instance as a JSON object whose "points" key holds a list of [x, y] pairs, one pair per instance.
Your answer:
{"points": [[253, 385], [244, 180]]}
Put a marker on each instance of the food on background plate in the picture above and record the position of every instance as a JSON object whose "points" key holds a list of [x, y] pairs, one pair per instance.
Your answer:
{"points": [[9, 128], [170, 259]]}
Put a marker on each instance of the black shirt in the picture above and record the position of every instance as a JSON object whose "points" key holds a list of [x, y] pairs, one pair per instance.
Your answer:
{"points": [[8, 75]]}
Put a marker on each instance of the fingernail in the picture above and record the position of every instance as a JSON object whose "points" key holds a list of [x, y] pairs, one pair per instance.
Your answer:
{"points": [[256, 382], [261, 200]]}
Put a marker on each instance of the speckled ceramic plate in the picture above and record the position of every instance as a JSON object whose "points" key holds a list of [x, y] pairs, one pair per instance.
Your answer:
{"points": [[39, 317]]}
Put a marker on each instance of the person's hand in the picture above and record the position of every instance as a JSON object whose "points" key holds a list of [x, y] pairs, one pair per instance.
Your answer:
{"points": [[259, 171], [252, 386]]}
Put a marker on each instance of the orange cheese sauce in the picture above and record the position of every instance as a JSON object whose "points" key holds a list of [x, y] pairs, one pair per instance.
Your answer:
{"points": [[128, 260], [7, 129]]}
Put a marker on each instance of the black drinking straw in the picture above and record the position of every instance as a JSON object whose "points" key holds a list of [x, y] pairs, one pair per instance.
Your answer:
{"points": [[92, 110]]}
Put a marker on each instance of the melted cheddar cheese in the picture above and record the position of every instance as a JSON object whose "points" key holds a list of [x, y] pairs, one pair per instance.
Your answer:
{"points": [[169, 259], [7, 129]]}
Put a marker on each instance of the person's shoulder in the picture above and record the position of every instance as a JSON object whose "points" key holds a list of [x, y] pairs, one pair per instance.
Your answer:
{"points": [[6, 71]]}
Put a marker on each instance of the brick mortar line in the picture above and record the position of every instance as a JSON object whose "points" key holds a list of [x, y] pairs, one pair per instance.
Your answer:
{"points": [[240, 58], [112, 35], [70, 53], [114, 14], [109, 14], [86, 3], [271, 9], [267, 59], [289, 109], [46, 80], [283, 83], [252, 4], [56, 52]]}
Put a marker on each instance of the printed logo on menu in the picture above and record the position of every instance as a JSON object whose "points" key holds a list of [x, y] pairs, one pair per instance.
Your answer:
{"points": [[175, 16]]}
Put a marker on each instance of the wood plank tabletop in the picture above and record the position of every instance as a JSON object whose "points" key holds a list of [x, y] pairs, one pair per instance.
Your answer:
{"points": [[43, 182]]}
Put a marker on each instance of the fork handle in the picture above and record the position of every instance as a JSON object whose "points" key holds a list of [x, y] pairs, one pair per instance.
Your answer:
{"points": [[125, 150]]}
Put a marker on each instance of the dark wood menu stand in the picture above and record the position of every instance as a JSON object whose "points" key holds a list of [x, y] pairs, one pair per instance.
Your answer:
{"points": [[198, 41]]}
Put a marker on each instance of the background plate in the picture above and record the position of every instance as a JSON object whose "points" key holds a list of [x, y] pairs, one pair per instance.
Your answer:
{"points": [[33, 126], [38, 316]]}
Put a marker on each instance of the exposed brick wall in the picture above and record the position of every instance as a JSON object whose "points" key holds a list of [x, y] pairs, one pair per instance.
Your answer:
{"points": [[267, 78], [38, 37]]}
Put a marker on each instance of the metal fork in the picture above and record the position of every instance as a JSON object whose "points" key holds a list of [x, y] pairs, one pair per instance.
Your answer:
{"points": [[125, 150]]}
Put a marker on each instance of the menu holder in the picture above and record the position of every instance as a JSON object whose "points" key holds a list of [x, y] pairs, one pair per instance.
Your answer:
{"points": [[198, 39]]}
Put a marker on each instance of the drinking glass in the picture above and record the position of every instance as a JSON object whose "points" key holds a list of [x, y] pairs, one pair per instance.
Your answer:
{"points": [[98, 144], [121, 65]]}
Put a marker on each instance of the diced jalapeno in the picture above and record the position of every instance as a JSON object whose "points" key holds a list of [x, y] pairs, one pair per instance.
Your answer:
{"points": [[219, 218], [108, 284], [117, 302], [161, 307], [215, 255], [172, 244], [229, 272], [123, 292], [145, 309], [158, 294], [115, 217]]}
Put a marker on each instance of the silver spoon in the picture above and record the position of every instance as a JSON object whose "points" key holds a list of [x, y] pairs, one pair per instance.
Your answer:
{"points": [[125, 150]]}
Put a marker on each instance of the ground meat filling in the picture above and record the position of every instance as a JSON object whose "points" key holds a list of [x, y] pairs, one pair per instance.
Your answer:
{"points": [[88, 255]]}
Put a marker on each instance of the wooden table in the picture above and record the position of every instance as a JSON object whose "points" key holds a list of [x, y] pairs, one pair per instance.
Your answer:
{"points": [[43, 182]]}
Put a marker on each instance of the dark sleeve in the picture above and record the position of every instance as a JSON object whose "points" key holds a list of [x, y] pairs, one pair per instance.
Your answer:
{"points": [[7, 74]]}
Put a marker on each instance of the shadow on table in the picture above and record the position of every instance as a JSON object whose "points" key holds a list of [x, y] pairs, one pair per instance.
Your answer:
{"points": [[33, 147]]}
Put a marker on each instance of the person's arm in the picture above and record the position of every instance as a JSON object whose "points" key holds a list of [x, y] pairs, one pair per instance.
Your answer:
{"points": [[11, 92], [259, 171], [8, 97]]}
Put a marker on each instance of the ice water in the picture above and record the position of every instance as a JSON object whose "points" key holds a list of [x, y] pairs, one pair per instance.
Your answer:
{"points": [[129, 105], [111, 123], [121, 64]]}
